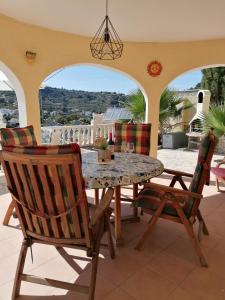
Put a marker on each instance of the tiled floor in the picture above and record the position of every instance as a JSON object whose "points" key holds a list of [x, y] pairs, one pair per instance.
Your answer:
{"points": [[166, 269]]}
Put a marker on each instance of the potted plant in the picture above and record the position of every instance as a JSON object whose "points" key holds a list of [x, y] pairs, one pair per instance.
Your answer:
{"points": [[104, 154]]}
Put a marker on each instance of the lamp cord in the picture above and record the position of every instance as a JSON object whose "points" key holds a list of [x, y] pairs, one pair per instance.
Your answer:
{"points": [[106, 7]]}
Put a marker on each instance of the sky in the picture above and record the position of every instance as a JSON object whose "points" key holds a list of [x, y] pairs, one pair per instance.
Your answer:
{"points": [[91, 78]]}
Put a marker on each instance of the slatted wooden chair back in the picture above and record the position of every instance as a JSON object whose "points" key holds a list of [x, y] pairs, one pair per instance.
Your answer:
{"points": [[49, 196]]}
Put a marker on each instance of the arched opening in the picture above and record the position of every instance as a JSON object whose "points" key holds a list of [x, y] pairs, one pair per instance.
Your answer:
{"points": [[196, 89], [12, 98], [82, 96]]}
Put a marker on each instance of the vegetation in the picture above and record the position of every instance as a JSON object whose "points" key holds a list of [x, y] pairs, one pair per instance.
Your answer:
{"points": [[168, 107], [61, 106], [135, 103], [215, 118], [213, 79]]}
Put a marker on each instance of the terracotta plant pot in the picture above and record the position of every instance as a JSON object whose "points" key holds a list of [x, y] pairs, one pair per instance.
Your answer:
{"points": [[104, 155]]}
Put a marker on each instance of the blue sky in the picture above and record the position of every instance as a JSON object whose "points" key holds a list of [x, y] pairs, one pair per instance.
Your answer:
{"points": [[89, 78]]}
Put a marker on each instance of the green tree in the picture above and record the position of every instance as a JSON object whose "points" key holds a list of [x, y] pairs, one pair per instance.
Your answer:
{"points": [[169, 107], [213, 79], [215, 118], [135, 103]]}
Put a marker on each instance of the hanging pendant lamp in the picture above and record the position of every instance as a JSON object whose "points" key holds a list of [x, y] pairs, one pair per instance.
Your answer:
{"points": [[106, 44]]}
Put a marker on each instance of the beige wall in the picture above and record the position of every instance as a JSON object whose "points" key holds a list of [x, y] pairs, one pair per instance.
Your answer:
{"points": [[56, 49]]}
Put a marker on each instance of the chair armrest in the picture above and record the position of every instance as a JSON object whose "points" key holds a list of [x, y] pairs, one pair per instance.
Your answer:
{"points": [[221, 163], [102, 207], [178, 173], [172, 190]]}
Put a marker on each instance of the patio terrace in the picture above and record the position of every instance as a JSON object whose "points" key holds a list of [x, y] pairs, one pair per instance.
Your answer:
{"points": [[166, 269]]}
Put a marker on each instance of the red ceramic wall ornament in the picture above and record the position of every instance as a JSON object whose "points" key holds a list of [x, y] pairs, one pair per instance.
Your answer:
{"points": [[154, 68]]}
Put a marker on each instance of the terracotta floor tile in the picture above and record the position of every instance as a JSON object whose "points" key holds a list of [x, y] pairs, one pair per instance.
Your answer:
{"points": [[171, 267], [103, 287], [205, 283], [183, 249], [8, 268], [126, 263], [147, 284], [119, 294], [181, 294]]}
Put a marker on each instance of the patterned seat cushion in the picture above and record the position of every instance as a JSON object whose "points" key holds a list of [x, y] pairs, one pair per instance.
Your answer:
{"points": [[150, 199], [139, 134], [18, 136]]}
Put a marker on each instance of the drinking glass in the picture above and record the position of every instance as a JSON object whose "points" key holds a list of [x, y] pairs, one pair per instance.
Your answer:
{"points": [[130, 147], [124, 147]]}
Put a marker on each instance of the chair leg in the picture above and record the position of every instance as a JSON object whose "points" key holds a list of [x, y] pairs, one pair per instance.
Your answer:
{"points": [[150, 227], [94, 269], [19, 270], [190, 231], [218, 185], [109, 236], [202, 225], [8, 214]]}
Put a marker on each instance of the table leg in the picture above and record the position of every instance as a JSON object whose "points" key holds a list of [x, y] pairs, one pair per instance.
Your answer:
{"points": [[96, 200], [117, 211], [135, 193]]}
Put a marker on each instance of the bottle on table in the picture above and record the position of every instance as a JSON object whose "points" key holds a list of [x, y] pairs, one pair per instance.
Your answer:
{"points": [[111, 145]]}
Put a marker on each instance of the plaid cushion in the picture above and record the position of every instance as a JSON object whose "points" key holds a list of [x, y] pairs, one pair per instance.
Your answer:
{"points": [[202, 165], [151, 199], [18, 136], [139, 134], [44, 149]]}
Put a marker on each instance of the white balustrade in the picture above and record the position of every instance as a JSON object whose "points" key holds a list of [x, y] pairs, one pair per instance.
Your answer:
{"points": [[84, 135]]}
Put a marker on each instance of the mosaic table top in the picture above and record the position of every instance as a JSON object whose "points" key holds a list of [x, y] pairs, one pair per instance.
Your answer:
{"points": [[125, 169]]}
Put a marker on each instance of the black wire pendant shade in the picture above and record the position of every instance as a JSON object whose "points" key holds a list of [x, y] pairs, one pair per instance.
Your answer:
{"points": [[106, 44]]}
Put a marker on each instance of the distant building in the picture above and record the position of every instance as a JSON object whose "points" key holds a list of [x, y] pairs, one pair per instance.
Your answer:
{"points": [[114, 114]]}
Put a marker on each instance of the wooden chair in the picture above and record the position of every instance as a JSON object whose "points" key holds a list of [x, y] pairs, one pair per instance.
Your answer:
{"points": [[220, 175], [140, 135], [48, 193], [16, 136], [177, 205]]}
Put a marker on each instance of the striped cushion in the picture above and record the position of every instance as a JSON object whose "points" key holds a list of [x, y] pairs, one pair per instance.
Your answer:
{"points": [[200, 169], [44, 149], [18, 136], [139, 134]]}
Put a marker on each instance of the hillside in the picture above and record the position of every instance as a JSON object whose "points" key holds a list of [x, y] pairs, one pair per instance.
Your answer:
{"points": [[63, 107]]}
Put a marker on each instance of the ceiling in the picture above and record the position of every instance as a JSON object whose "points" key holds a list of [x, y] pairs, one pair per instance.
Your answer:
{"points": [[134, 20]]}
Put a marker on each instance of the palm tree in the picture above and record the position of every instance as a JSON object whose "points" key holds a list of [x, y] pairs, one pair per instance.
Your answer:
{"points": [[168, 107], [136, 105], [215, 118]]}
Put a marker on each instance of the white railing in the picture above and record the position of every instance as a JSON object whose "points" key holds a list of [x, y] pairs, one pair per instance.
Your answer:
{"points": [[84, 135]]}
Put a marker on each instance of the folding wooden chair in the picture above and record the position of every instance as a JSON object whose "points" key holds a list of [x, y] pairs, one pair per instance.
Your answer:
{"points": [[220, 175], [16, 136], [177, 205], [140, 135], [49, 196]]}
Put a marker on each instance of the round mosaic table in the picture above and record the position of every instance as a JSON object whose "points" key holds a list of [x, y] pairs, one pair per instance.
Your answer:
{"points": [[125, 169]]}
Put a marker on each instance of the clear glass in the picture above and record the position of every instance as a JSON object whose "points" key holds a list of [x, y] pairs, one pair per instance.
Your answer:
{"points": [[130, 147], [124, 147]]}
